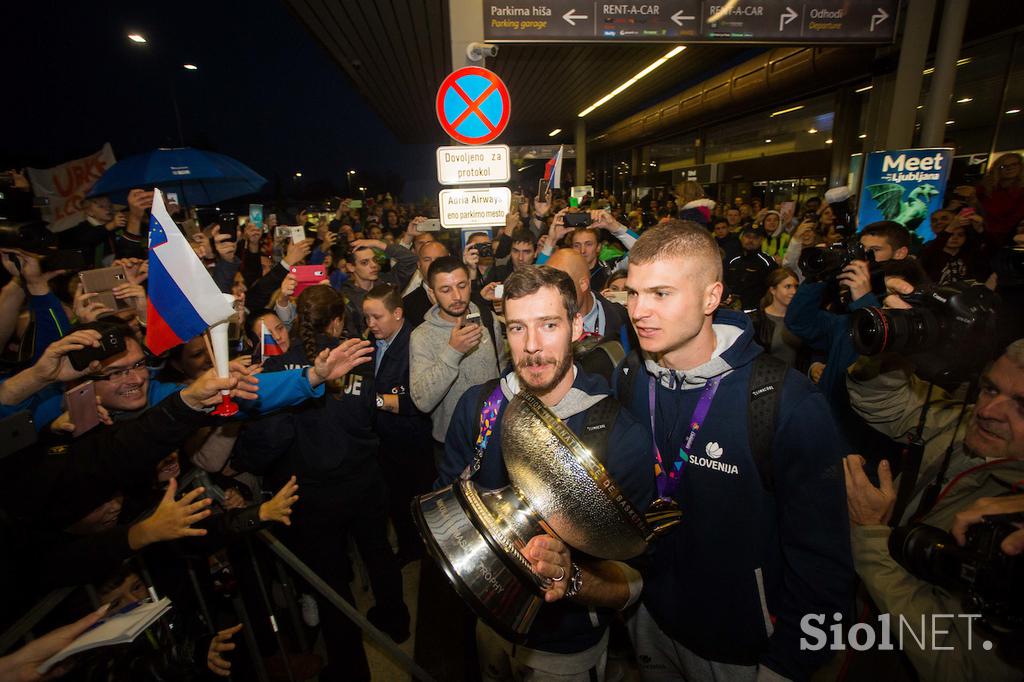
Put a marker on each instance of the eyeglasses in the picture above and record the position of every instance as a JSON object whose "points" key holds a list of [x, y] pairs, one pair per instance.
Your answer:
{"points": [[121, 374]]}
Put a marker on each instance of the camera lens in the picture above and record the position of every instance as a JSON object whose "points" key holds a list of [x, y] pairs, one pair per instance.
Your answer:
{"points": [[870, 328], [910, 331], [927, 552]]}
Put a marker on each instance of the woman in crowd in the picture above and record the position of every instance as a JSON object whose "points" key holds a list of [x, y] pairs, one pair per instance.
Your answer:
{"points": [[954, 256], [769, 321], [330, 445], [1001, 195]]}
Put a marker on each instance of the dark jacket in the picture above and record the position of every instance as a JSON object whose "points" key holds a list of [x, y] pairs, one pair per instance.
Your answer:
{"points": [[733, 580], [617, 326], [325, 439], [746, 276], [409, 428], [561, 627], [730, 246], [416, 304], [92, 241], [405, 266], [599, 277]]}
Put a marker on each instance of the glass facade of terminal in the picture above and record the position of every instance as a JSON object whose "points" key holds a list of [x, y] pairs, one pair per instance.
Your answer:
{"points": [[786, 151]]}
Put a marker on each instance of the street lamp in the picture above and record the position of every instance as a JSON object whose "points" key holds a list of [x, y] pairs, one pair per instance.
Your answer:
{"points": [[190, 67], [348, 176], [298, 174], [137, 38]]}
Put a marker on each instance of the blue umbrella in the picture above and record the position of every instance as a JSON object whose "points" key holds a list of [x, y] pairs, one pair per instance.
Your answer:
{"points": [[199, 178]]}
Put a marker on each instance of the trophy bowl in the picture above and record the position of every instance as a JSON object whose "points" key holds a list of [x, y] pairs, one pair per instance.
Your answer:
{"points": [[557, 487], [566, 485]]}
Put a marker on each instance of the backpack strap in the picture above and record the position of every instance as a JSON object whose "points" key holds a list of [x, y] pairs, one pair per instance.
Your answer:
{"points": [[597, 427], [627, 376], [767, 375]]}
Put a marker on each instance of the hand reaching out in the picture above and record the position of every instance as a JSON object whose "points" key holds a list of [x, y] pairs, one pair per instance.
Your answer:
{"points": [[220, 644], [172, 519], [279, 508]]}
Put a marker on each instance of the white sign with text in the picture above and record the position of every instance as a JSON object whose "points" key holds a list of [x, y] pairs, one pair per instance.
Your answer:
{"points": [[477, 165], [474, 207]]}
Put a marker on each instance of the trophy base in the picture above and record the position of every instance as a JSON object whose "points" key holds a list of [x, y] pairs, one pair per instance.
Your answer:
{"points": [[475, 537]]}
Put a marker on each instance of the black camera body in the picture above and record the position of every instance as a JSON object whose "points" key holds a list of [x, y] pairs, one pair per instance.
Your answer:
{"points": [[947, 332], [820, 263], [484, 249], [992, 582]]}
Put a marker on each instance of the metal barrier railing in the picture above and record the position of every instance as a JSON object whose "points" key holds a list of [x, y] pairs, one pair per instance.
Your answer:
{"points": [[23, 627]]}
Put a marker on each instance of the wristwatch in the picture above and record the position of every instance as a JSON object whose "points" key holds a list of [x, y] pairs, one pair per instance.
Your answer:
{"points": [[575, 582], [380, 402]]}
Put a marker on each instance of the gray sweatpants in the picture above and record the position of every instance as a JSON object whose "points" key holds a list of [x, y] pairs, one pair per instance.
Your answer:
{"points": [[662, 659]]}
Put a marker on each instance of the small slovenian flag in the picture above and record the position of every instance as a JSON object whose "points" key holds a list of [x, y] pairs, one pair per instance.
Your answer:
{"points": [[184, 301], [553, 170], [268, 346]]}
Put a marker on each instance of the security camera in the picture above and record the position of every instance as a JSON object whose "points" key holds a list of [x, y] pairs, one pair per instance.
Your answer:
{"points": [[477, 51]]}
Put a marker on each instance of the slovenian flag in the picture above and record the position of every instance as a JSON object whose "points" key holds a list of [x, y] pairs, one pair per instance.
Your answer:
{"points": [[553, 170], [184, 301], [268, 346]]}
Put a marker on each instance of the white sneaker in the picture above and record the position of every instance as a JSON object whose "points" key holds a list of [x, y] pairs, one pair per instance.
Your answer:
{"points": [[310, 611]]}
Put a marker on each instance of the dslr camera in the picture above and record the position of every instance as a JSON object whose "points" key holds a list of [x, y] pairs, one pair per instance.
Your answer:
{"points": [[992, 582], [947, 331], [821, 263]]}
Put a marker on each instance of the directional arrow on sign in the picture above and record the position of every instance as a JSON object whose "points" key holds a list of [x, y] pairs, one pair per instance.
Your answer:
{"points": [[787, 16], [878, 18], [679, 18], [572, 18]]}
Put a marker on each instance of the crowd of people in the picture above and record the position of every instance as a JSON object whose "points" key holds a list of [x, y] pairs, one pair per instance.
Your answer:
{"points": [[715, 345]]}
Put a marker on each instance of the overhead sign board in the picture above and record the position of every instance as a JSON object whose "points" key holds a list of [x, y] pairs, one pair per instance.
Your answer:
{"points": [[478, 165], [474, 207], [674, 21], [473, 105]]}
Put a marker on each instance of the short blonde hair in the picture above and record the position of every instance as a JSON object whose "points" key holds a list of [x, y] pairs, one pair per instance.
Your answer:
{"points": [[681, 239]]}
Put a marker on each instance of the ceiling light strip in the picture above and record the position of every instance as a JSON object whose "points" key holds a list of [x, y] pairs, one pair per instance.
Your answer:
{"points": [[651, 67]]}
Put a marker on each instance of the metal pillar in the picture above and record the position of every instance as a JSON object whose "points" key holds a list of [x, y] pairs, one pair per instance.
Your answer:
{"points": [[465, 26], [913, 52], [844, 135], [936, 108], [581, 151]]}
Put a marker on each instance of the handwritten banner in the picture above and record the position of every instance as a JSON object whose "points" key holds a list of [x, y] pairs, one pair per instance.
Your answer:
{"points": [[64, 187]]}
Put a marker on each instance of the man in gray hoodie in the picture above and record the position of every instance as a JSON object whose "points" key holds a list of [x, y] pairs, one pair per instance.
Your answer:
{"points": [[452, 350]]}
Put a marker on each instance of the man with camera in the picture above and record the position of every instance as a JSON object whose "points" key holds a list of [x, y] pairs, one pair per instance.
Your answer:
{"points": [[850, 266], [972, 458]]}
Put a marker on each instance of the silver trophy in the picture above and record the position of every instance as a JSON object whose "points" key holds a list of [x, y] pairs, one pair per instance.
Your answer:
{"points": [[557, 487]]}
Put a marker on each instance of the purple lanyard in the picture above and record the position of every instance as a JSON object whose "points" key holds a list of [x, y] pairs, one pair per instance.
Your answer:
{"points": [[668, 477]]}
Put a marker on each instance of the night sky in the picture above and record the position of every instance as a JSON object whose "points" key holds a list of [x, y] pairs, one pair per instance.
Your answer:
{"points": [[265, 93]]}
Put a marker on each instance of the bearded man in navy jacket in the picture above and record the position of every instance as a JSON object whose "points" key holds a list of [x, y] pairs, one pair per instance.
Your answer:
{"points": [[725, 590], [569, 638]]}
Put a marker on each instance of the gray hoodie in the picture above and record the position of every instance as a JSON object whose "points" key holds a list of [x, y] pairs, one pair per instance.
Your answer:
{"points": [[439, 374]]}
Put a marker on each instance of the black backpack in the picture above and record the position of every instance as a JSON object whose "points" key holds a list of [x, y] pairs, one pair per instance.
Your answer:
{"points": [[764, 392]]}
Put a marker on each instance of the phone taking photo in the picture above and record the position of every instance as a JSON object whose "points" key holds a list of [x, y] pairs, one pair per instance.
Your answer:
{"points": [[471, 318]]}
